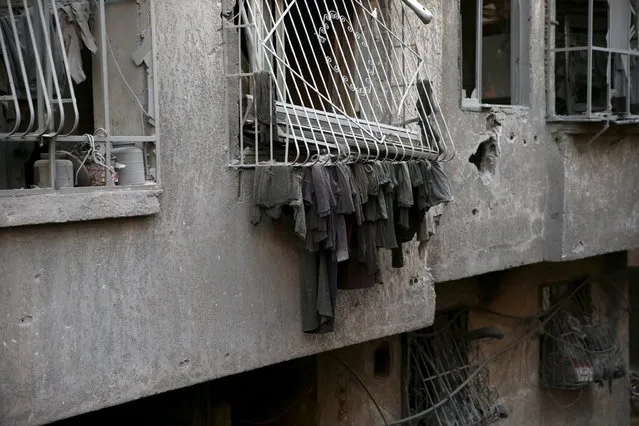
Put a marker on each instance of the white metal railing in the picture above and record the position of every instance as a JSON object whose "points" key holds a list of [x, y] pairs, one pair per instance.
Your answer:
{"points": [[331, 79], [44, 43], [40, 91]]}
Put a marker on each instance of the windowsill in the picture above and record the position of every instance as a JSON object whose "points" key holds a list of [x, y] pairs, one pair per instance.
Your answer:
{"points": [[584, 125], [42, 206], [468, 105], [620, 120]]}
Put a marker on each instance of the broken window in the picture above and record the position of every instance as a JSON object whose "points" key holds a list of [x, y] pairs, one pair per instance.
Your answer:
{"points": [[494, 52], [580, 342], [336, 80], [65, 66], [594, 52], [446, 381]]}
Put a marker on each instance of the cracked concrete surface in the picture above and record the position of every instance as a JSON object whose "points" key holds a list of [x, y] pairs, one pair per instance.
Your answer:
{"points": [[103, 312]]}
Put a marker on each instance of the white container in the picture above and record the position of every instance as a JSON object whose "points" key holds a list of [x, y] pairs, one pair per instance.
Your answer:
{"points": [[132, 159], [63, 173]]}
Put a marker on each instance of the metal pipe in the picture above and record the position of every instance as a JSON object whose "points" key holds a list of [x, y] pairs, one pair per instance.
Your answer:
{"points": [[67, 71], [590, 38], [13, 96], [479, 51], [422, 13], [105, 84], [156, 90]]}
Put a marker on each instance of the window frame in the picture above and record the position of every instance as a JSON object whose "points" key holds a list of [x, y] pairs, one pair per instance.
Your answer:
{"points": [[519, 57], [552, 52], [20, 207]]}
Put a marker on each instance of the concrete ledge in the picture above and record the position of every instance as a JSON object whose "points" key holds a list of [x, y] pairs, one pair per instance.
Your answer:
{"points": [[34, 207]]}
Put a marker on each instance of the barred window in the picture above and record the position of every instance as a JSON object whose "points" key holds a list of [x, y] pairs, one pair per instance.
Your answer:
{"points": [[593, 53], [336, 80], [77, 91]]}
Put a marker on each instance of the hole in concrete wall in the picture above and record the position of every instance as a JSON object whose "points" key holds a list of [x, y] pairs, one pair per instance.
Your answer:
{"points": [[26, 320], [485, 158], [492, 121], [382, 360]]}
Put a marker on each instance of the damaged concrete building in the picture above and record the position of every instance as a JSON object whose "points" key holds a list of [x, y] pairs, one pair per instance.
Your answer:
{"points": [[192, 257]]}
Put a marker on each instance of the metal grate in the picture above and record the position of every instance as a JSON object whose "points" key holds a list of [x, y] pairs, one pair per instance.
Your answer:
{"points": [[331, 79], [43, 82], [445, 379], [580, 343], [41, 67]]}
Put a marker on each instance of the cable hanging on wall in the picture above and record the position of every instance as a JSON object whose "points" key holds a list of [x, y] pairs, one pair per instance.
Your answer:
{"points": [[580, 343], [445, 378]]}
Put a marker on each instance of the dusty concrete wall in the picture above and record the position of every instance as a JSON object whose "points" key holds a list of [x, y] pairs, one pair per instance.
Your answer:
{"points": [[497, 219], [343, 401], [99, 313], [598, 208], [547, 199], [516, 373]]}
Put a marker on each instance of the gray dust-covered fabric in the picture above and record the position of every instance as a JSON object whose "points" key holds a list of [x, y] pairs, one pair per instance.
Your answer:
{"points": [[343, 214]]}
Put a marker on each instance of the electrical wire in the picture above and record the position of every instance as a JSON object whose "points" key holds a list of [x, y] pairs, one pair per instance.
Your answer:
{"points": [[470, 377], [363, 385], [542, 318], [565, 407], [500, 314], [124, 80], [93, 152], [612, 349]]}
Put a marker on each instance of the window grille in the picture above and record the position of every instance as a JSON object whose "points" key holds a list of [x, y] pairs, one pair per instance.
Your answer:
{"points": [[43, 68], [331, 79], [593, 58], [445, 379], [579, 344]]}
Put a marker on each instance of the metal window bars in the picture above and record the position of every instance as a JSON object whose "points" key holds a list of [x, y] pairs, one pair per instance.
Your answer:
{"points": [[39, 92], [444, 377], [44, 45], [593, 60], [331, 79], [580, 343]]}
